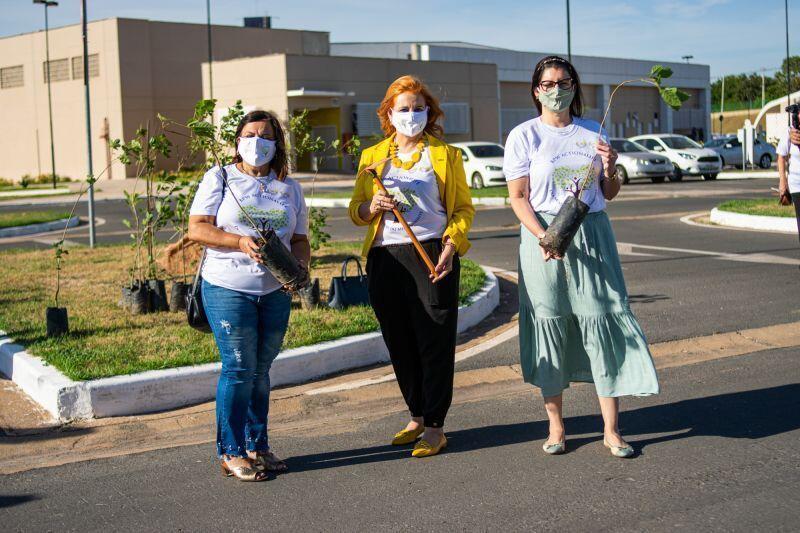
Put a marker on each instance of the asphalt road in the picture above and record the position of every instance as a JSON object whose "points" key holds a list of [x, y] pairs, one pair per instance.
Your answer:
{"points": [[718, 446], [718, 453]]}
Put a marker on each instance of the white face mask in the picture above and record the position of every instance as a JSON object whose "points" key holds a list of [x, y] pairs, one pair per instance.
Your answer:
{"points": [[256, 151], [410, 123]]}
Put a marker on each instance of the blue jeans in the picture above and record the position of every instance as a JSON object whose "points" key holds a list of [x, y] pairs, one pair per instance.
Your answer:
{"points": [[249, 332]]}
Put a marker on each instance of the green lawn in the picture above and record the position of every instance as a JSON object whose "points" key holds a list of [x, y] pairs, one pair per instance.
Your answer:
{"points": [[497, 191], [24, 218], [28, 196], [762, 206], [107, 341]]}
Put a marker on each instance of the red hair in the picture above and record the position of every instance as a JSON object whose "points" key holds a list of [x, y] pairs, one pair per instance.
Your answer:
{"points": [[411, 84]]}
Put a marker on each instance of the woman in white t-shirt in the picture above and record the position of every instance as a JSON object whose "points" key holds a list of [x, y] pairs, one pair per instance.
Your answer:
{"points": [[575, 322], [247, 308], [789, 169]]}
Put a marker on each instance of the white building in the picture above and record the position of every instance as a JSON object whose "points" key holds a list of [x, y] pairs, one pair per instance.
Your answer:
{"points": [[637, 107]]}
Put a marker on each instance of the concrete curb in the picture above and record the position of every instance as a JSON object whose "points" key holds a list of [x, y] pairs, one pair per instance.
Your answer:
{"points": [[345, 202], [33, 193], [43, 227], [159, 390], [739, 220]]}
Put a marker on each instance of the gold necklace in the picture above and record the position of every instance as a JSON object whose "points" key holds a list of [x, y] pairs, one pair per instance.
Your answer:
{"points": [[415, 157]]}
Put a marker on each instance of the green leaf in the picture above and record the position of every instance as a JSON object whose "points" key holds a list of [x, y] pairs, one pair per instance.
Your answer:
{"points": [[673, 96], [660, 72]]}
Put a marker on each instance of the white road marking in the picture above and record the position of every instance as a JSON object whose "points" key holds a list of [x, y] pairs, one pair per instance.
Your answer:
{"points": [[755, 257]]}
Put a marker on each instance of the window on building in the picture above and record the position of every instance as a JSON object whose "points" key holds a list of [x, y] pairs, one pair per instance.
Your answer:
{"points": [[456, 117], [11, 77], [366, 120], [59, 70], [77, 67]]}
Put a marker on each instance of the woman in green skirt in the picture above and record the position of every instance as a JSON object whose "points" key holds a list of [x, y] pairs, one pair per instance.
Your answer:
{"points": [[574, 319]]}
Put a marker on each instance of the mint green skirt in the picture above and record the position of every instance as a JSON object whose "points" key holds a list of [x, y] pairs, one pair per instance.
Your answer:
{"points": [[575, 323]]}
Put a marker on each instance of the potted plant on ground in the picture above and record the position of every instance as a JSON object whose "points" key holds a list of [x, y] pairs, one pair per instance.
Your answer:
{"points": [[150, 212], [564, 226]]}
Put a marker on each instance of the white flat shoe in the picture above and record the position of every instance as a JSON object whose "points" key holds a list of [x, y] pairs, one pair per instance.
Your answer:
{"points": [[619, 451], [555, 449]]}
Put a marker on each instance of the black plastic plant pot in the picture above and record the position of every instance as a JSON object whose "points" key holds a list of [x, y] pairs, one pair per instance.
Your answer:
{"points": [[57, 321], [565, 225], [125, 298], [158, 295], [139, 300], [309, 295], [177, 296], [279, 260]]}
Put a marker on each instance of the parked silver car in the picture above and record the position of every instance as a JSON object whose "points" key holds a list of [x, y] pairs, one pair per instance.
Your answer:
{"points": [[730, 150], [636, 161]]}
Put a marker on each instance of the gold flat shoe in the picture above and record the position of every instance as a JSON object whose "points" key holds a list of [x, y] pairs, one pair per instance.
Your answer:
{"points": [[243, 473], [424, 448], [407, 436], [622, 452]]}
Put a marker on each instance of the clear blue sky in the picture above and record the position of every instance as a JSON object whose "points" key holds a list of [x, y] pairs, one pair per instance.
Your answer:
{"points": [[730, 35]]}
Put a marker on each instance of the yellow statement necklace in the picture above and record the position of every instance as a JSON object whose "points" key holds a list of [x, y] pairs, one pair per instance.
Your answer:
{"points": [[415, 157]]}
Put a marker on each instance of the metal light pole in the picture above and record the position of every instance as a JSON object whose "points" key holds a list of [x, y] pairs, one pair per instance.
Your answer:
{"points": [[687, 58], [788, 69], [210, 54], [569, 37], [90, 171], [46, 4]]}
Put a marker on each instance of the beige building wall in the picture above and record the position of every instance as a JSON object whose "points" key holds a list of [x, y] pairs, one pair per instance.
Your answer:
{"points": [[471, 83], [145, 68], [264, 82], [24, 125]]}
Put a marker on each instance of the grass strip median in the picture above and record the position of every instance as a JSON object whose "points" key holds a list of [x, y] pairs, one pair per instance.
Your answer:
{"points": [[26, 218], [106, 340], [767, 207]]}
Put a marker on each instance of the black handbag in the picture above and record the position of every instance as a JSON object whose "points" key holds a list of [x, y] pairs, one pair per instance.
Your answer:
{"points": [[346, 291], [195, 312]]}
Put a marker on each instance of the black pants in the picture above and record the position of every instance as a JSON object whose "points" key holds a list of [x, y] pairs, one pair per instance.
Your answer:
{"points": [[418, 321], [796, 202]]}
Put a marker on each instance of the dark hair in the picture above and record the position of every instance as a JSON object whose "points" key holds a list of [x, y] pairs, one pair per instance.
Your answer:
{"points": [[280, 162], [576, 107]]}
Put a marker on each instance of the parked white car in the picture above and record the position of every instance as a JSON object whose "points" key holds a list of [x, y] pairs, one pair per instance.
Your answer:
{"points": [[730, 151], [483, 163], [636, 161], [688, 157]]}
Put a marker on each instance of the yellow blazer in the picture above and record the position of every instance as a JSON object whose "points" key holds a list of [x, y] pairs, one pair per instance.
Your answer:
{"points": [[449, 169]]}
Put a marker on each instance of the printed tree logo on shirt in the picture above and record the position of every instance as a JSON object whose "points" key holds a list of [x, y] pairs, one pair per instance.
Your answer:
{"points": [[567, 178], [267, 218], [407, 198]]}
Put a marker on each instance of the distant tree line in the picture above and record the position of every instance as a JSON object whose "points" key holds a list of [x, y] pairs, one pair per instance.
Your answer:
{"points": [[743, 91]]}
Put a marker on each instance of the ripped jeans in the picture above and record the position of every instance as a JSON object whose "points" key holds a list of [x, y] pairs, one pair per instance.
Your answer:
{"points": [[249, 332]]}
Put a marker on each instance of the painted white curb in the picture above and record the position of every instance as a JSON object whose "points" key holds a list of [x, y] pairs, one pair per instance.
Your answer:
{"points": [[30, 229], [739, 220], [159, 390], [34, 192], [345, 202]]}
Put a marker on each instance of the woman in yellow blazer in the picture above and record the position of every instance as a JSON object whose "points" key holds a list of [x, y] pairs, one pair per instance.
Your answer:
{"points": [[417, 310]]}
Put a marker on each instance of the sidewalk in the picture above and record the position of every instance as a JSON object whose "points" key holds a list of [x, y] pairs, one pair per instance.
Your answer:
{"points": [[115, 189], [335, 405]]}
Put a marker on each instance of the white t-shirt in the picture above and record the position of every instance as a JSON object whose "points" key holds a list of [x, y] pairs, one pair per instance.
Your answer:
{"points": [[419, 201], [786, 148], [555, 159], [278, 204]]}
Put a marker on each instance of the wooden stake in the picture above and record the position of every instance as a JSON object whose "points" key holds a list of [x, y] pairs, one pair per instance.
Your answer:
{"points": [[417, 245]]}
